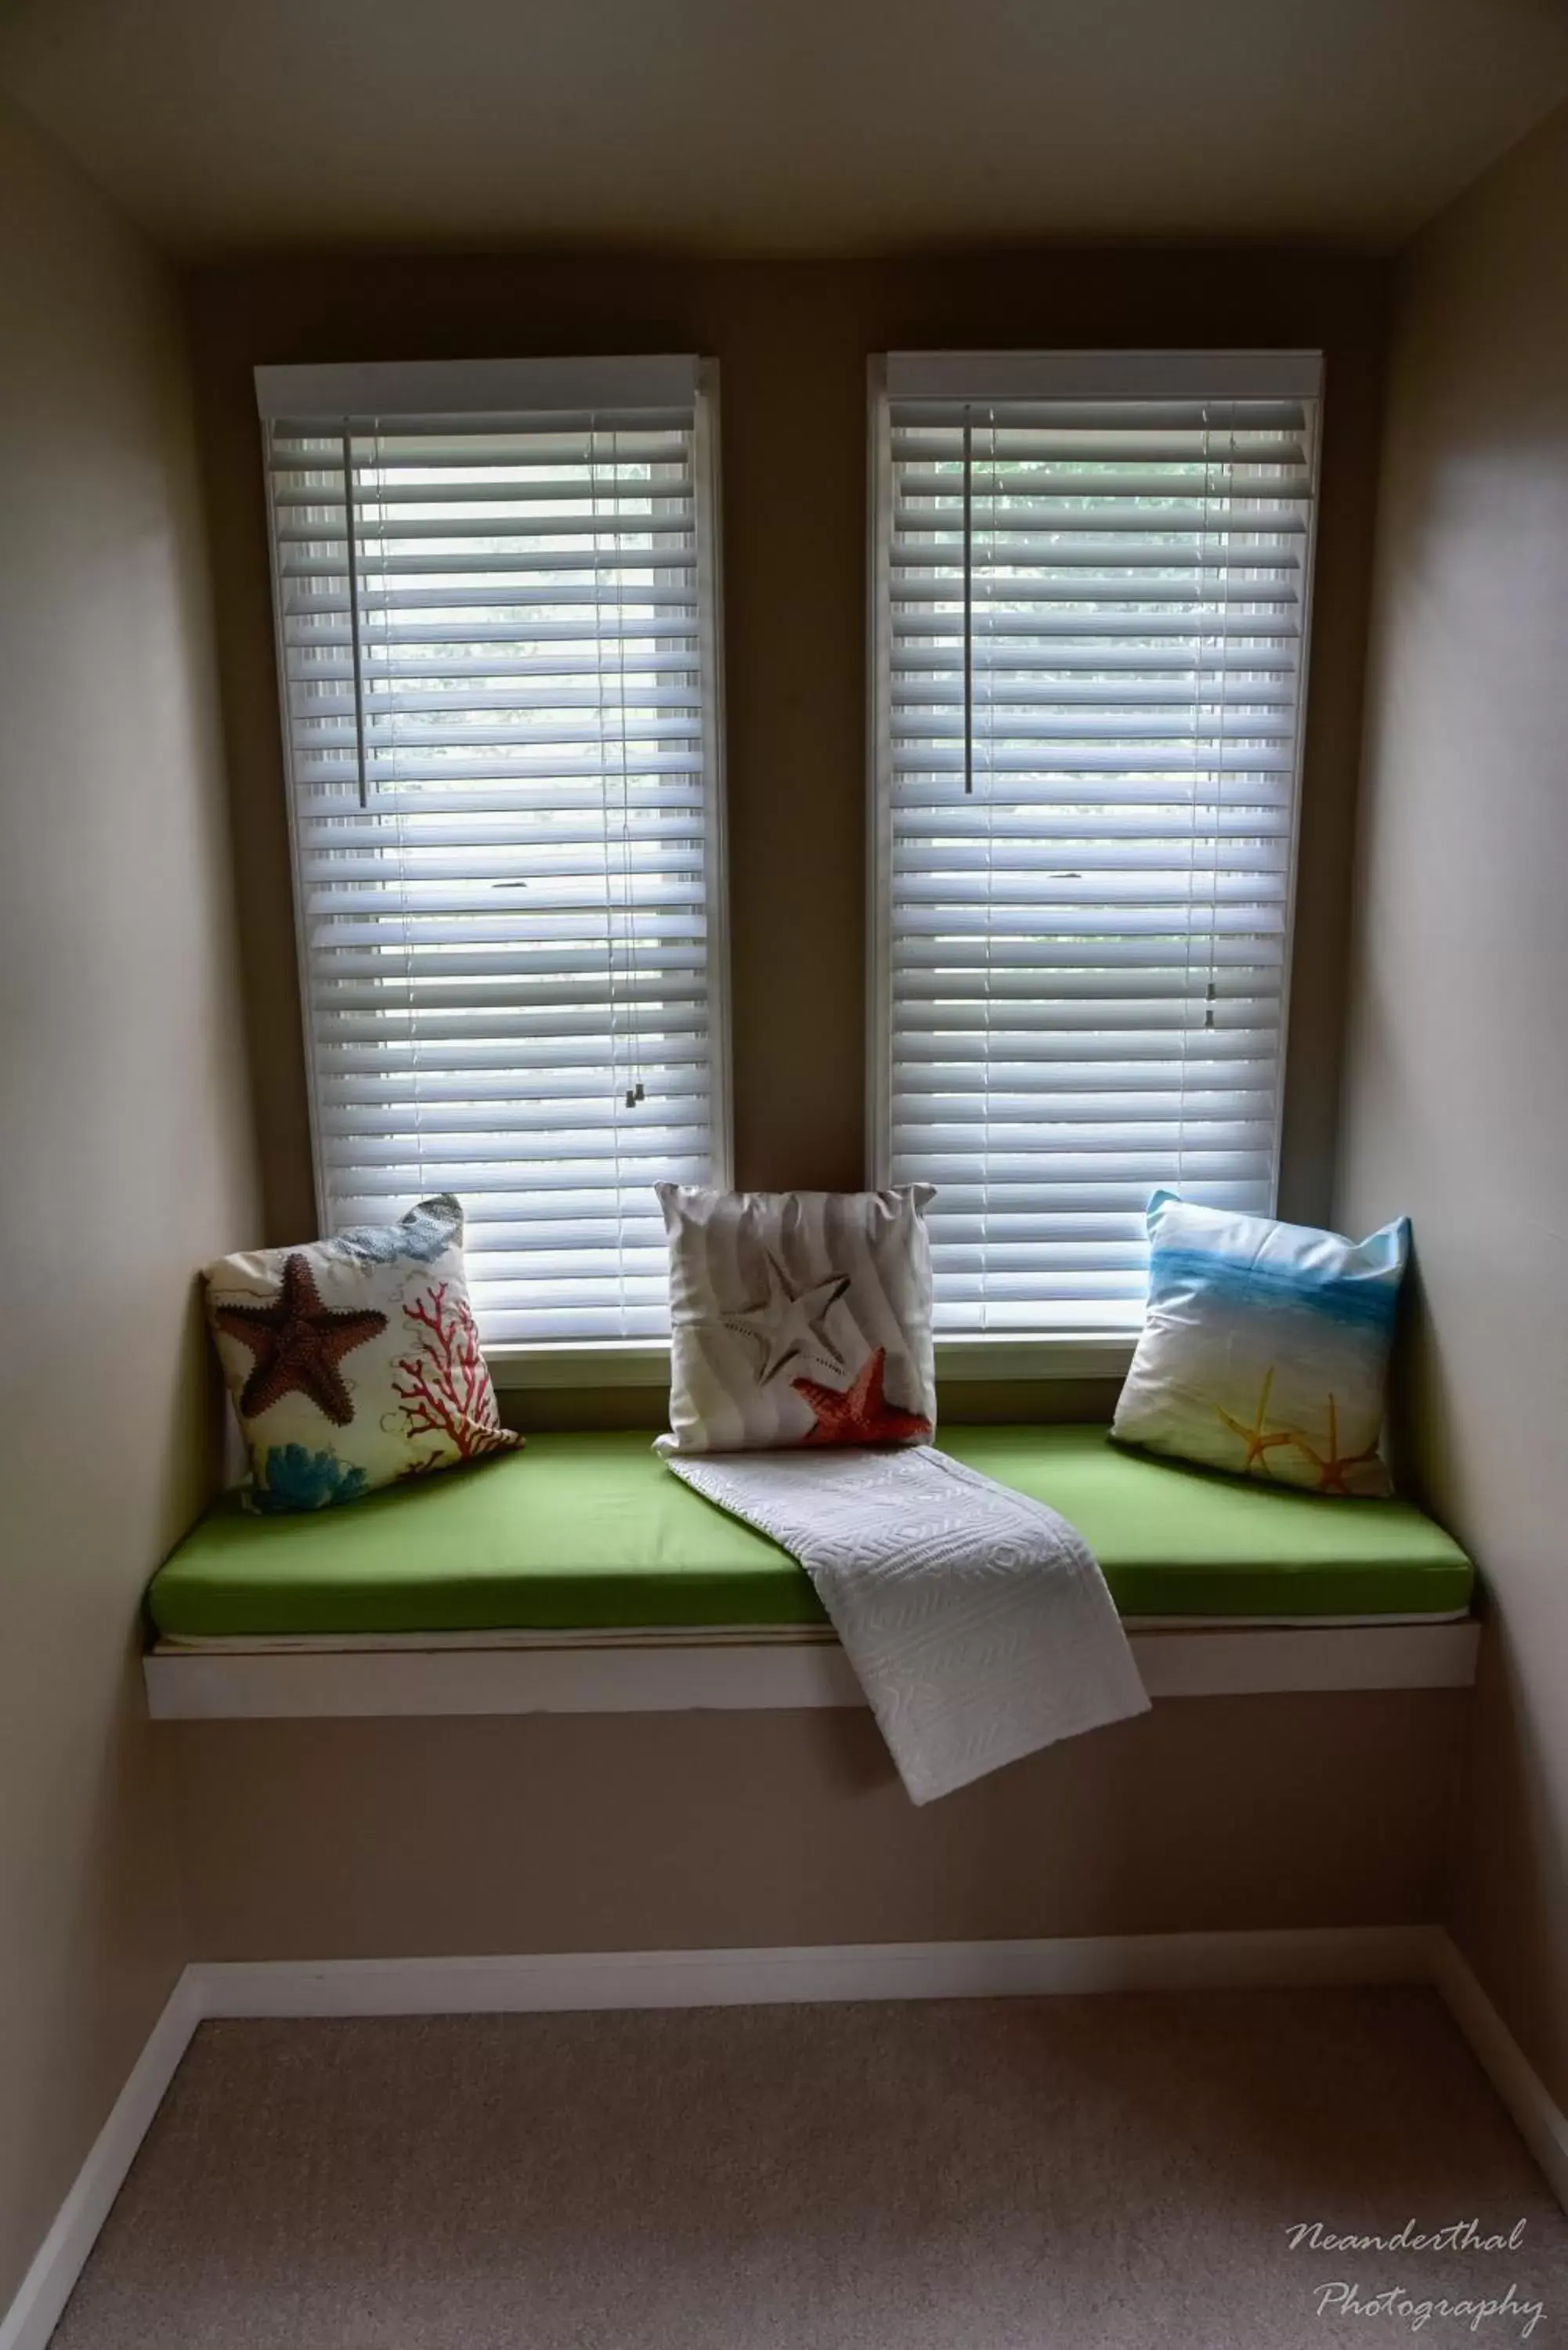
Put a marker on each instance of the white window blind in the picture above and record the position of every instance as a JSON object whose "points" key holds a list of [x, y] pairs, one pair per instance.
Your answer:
{"points": [[493, 589], [1091, 617]]}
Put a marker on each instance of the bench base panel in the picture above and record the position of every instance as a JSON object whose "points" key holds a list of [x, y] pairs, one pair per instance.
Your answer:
{"points": [[742, 1676]]}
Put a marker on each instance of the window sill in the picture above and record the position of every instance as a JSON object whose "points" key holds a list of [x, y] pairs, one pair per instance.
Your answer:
{"points": [[645, 1362], [1057, 1355], [603, 1363]]}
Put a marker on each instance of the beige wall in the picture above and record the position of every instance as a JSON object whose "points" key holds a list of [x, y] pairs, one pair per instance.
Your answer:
{"points": [[681, 1831], [124, 1138], [1457, 1100], [791, 340]]}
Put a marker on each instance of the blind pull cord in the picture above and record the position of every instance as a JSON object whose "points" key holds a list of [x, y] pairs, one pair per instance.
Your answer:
{"points": [[600, 683], [351, 522], [637, 1094], [1212, 991], [968, 602], [1195, 771]]}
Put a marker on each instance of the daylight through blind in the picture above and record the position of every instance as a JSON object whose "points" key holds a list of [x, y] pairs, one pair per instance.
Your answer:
{"points": [[495, 631], [1093, 631]]}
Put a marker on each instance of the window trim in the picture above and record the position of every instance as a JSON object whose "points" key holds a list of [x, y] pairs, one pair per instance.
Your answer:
{"points": [[1062, 1352], [960, 1361], [475, 387]]}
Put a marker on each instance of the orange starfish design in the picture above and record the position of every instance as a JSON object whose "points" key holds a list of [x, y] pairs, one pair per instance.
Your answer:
{"points": [[298, 1343], [861, 1415], [1258, 1443], [1333, 1469]]}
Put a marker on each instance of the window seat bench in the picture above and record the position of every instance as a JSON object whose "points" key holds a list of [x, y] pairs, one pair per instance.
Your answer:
{"points": [[579, 1574]]}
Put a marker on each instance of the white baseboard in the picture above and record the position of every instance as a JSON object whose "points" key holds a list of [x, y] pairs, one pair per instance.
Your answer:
{"points": [[746, 1978], [1538, 2119], [646, 1978], [44, 2289]]}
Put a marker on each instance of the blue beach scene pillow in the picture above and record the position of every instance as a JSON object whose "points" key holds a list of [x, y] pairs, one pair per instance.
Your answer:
{"points": [[1265, 1350]]}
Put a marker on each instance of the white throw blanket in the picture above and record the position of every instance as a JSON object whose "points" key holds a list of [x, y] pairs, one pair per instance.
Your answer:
{"points": [[978, 1620]]}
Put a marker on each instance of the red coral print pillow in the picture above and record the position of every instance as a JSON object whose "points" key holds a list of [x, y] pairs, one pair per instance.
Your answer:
{"points": [[354, 1362]]}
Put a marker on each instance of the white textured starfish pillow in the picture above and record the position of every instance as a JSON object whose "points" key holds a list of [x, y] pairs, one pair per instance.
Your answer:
{"points": [[354, 1362], [798, 1317]]}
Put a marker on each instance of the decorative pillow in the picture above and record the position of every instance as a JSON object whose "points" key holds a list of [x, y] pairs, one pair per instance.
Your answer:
{"points": [[1266, 1347], [798, 1317], [353, 1362]]}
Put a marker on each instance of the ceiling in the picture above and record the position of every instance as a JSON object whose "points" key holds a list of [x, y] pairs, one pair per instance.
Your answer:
{"points": [[782, 126]]}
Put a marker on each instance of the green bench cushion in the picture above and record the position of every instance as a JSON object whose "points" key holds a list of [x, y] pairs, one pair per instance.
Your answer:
{"points": [[592, 1532]]}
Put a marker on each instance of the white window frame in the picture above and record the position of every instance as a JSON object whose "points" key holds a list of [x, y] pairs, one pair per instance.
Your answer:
{"points": [[996, 376], [477, 387]]}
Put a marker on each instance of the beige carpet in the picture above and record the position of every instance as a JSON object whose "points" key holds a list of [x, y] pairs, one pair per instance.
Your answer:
{"points": [[1006, 2175]]}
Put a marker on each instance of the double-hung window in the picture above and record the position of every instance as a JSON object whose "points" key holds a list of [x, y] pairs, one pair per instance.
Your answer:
{"points": [[1092, 590], [495, 595]]}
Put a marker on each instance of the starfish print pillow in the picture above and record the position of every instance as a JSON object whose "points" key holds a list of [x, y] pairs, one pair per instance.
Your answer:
{"points": [[354, 1362], [798, 1317], [1265, 1350]]}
